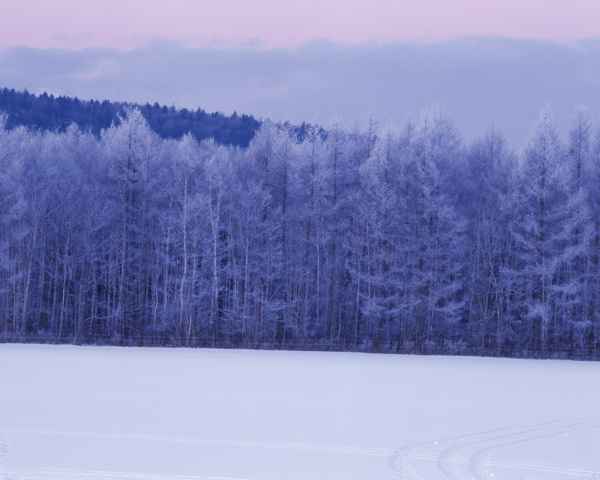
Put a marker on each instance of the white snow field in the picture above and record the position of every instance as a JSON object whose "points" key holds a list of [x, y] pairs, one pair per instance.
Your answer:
{"points": [[100, 413]]}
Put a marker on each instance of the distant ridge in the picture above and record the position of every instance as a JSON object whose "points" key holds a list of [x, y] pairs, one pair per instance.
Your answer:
{"points": [[47, 112]]}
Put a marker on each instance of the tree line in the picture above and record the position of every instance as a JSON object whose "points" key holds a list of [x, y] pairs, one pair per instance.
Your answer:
{"points": [[406, 240], [47, 112]]}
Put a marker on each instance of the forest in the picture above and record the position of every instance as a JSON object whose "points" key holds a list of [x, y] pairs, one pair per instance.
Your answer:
{"points": [[400, 240], [47, 112]]}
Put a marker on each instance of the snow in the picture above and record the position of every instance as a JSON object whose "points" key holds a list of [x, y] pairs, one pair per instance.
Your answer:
{"points": [[100, 413]]}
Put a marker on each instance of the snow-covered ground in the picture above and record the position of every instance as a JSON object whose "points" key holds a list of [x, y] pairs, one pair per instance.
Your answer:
{"points": [[99, 413]]}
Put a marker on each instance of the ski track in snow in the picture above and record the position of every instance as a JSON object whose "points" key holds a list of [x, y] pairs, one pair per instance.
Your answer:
{"points": [[463, 457], [4, 448], [72, 474], [468, 457], [232, 443], [3, 443], [68, 474]]}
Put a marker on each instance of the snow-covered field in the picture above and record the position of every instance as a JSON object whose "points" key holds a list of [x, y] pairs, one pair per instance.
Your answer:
{"points": [[99, 413]]}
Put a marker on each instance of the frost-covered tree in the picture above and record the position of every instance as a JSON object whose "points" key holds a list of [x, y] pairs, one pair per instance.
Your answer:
{"points": [[436, 235], [487, 202], [13, 227], [549, 238], [132, 152], [594, 263], [383, 207], [576, 295]]}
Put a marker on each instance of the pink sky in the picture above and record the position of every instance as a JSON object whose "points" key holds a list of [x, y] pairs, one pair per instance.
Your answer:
{"points": [[75, 24]]}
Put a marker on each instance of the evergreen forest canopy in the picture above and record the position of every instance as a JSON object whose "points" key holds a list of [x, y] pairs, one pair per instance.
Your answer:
{"points": [[409, 241], [46, 112]]}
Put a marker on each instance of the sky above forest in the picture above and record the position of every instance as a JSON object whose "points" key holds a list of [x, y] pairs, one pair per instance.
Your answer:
{"points": [[486, 61]]}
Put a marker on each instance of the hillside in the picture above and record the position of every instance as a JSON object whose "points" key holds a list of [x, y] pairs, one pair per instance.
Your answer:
{"points": [[47, 112]]}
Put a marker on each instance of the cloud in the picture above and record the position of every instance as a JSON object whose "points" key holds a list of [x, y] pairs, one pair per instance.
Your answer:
{"points": [[482, 81]]}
